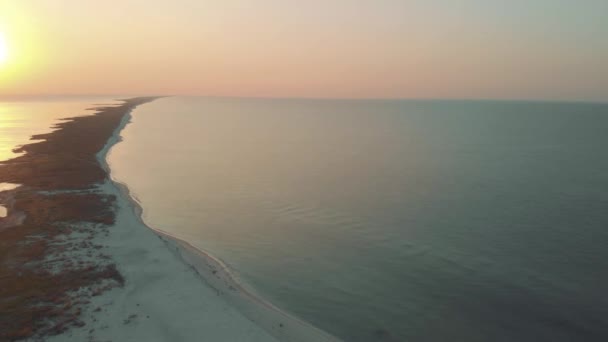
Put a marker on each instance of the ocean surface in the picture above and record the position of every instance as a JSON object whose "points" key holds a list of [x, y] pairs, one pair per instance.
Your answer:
{"points": [[379, 220], [390, 220]]}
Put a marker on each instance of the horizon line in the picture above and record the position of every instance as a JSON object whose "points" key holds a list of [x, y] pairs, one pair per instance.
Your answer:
{"points": [[422, 99]]}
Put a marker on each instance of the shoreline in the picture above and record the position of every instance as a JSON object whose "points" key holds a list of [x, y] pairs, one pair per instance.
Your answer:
{"points": [[50, 261], [80, 267], [76, 237], [214, 272]]}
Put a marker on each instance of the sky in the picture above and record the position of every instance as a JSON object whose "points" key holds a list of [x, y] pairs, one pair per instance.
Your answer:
{"points": [[495, 49]]}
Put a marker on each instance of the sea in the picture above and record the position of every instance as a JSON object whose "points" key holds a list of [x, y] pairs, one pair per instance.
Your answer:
{"points": [[389, 220], [379, 220]]}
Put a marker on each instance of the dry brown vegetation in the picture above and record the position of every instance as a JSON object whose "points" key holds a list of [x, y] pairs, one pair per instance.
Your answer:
{"points": [[49, 264]]}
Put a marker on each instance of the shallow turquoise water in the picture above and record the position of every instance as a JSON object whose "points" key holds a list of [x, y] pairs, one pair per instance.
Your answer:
{"points": [[390, 220]]}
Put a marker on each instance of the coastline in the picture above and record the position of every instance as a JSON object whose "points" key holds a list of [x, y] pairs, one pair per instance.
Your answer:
{"points": [[50, 260], [108, 275], [80, 266], [215, 273]]}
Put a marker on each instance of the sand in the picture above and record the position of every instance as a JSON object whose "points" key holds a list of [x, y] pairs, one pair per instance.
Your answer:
{"points": [[77, 265], [162, 300]]}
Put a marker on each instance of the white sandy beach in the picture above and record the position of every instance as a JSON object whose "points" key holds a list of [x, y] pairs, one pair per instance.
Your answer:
{"points": [[163, 298]]}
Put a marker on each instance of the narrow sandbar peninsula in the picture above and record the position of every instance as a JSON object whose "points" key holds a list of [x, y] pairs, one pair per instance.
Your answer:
{"points": [[75, 264], [48, 262]]}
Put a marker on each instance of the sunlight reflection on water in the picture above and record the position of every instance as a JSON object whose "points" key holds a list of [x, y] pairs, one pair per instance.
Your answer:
{"points": [[22, 118]]}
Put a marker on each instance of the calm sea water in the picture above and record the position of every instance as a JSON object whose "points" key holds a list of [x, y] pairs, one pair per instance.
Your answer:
{"points": [[390, 220]]}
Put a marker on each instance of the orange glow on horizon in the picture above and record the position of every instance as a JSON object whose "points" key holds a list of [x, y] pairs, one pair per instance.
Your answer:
{"points": [[345, 49]]}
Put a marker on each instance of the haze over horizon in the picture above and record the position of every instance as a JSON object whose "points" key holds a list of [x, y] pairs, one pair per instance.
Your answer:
{"points": [[553, 50]]}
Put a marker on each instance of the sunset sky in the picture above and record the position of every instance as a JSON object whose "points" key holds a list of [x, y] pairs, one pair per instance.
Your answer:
{"points": [[518, 49]]}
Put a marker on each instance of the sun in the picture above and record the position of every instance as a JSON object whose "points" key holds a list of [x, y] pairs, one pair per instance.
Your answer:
{"points": [[3, 49]]}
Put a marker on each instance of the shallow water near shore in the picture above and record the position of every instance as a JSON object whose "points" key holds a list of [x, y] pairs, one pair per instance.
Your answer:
{"points": [[389, 220]]}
